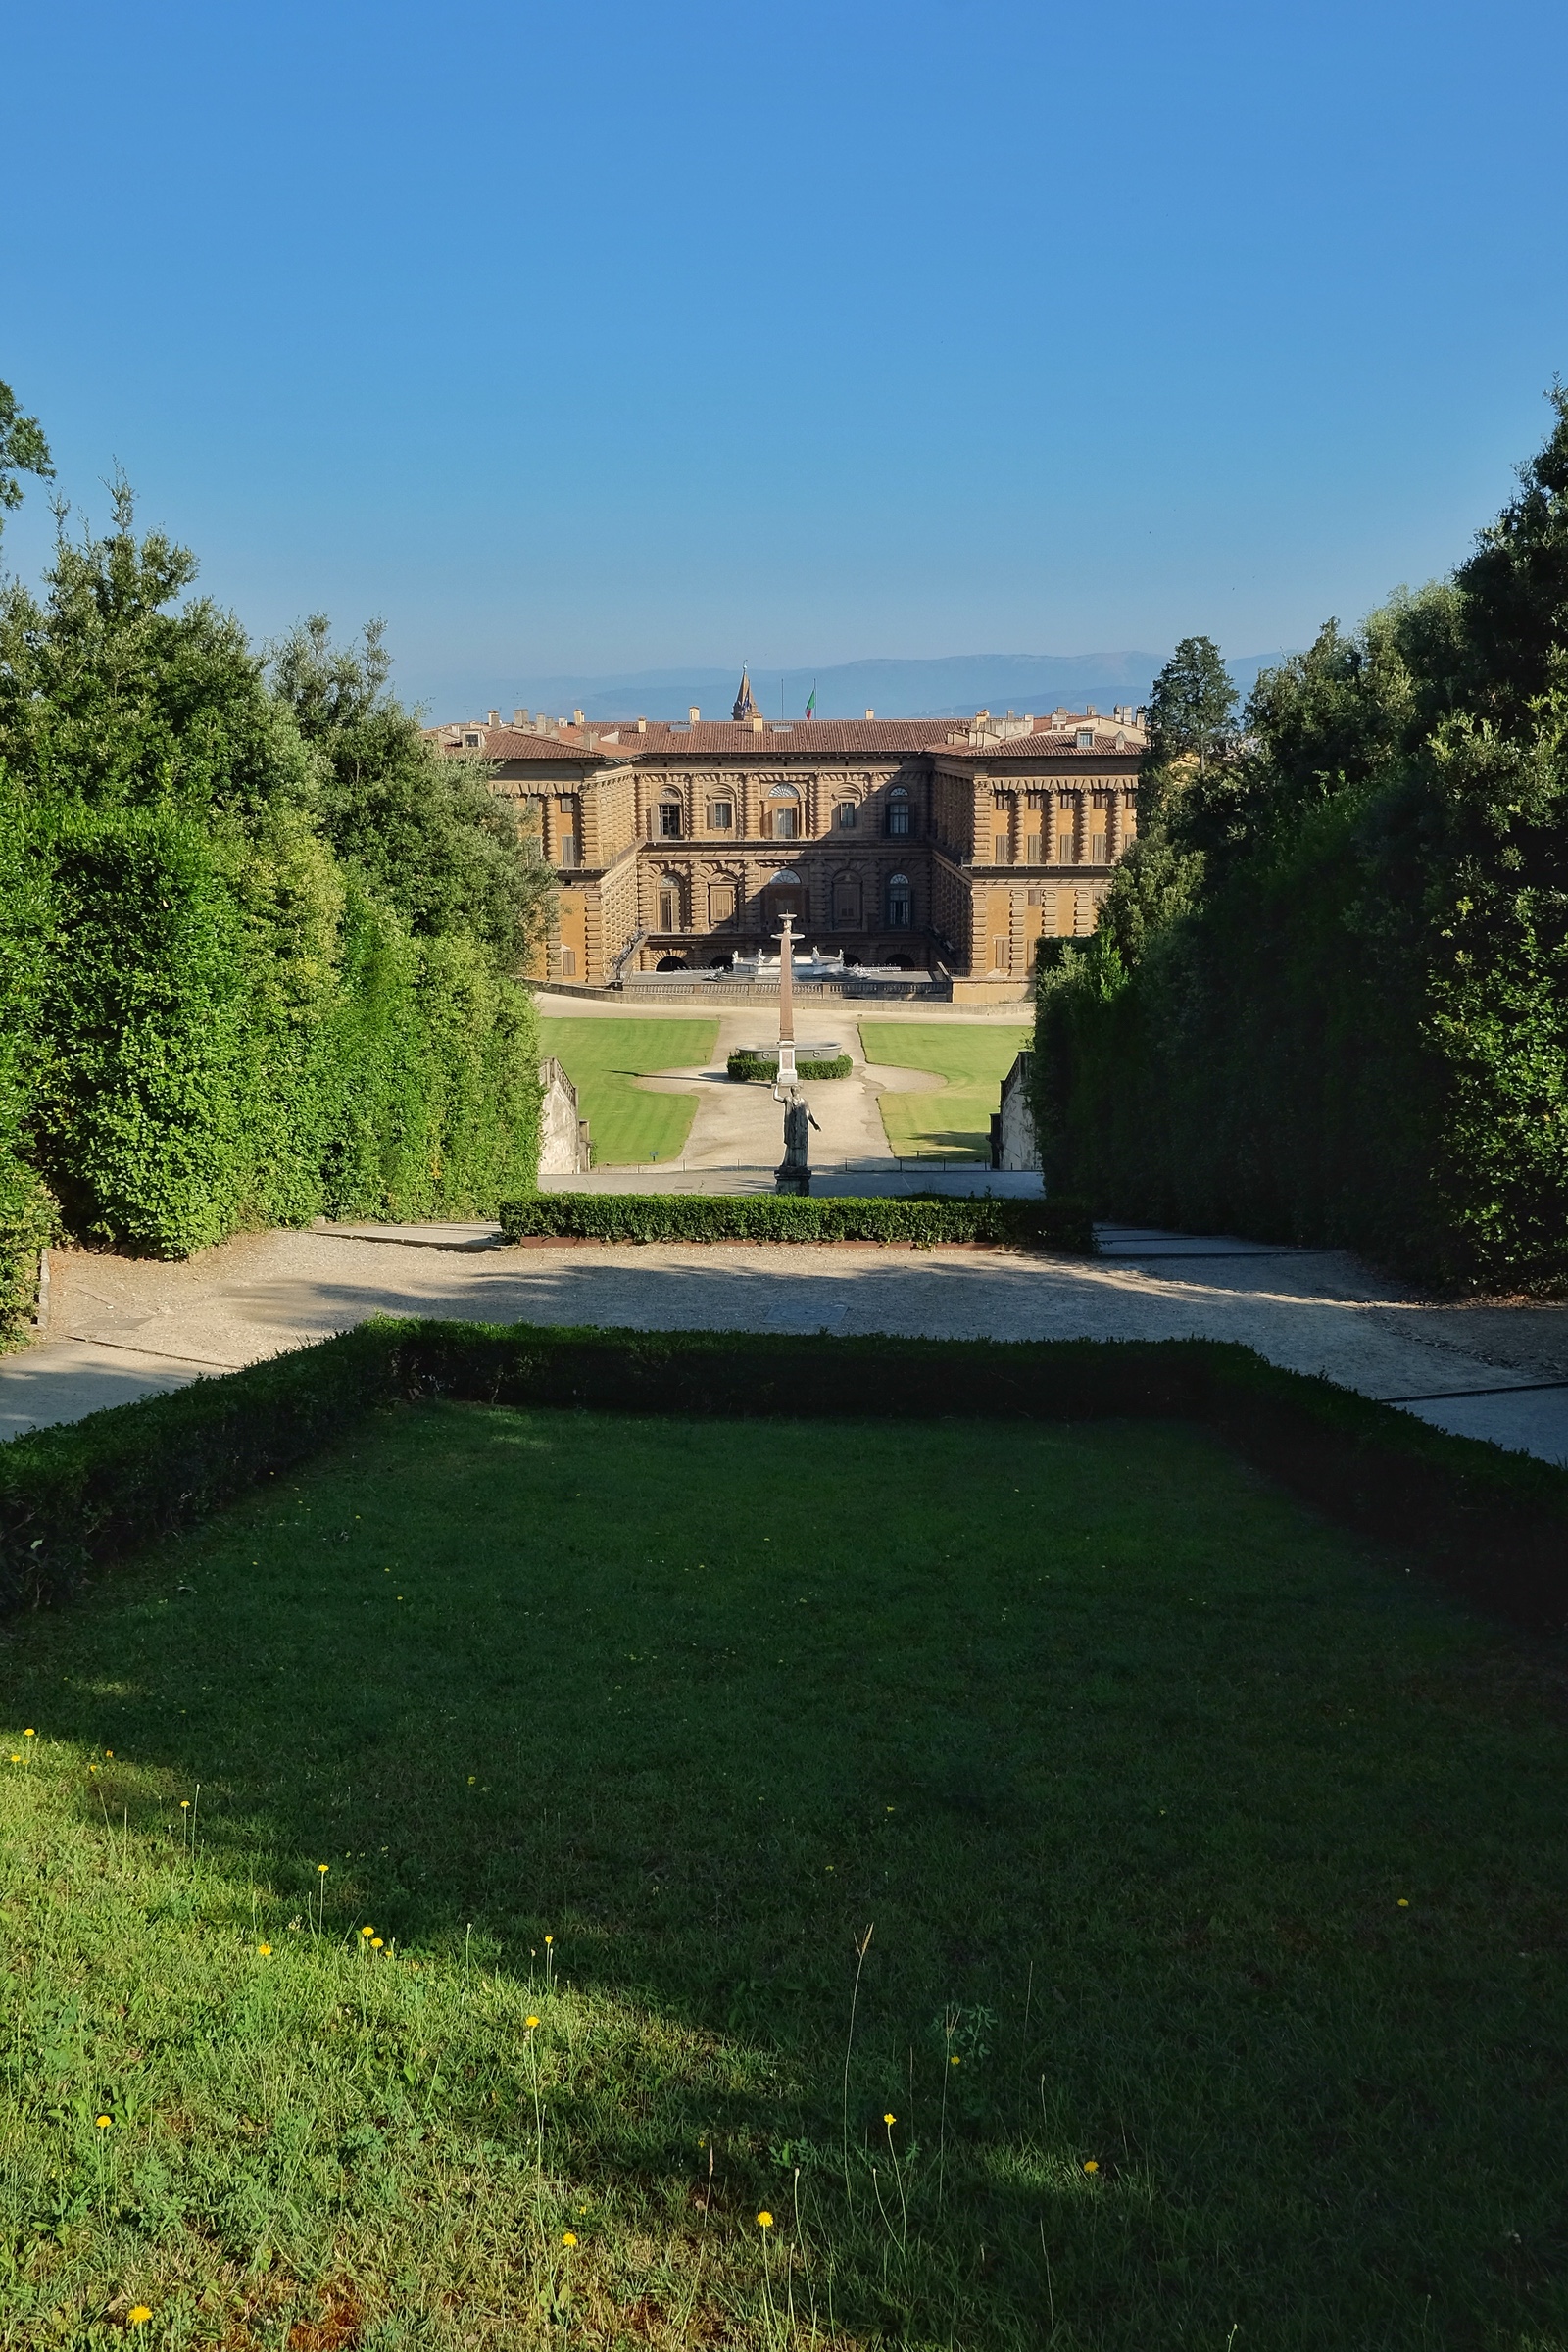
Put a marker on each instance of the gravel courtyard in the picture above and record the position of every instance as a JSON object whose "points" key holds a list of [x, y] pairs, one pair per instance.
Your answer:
{"points": [[121, 1328]]}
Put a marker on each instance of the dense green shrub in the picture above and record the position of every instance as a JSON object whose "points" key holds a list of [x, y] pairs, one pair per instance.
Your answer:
{"points": [[1327, 1000], [1493, 1526], [919, 1224], [258, 942], [755, 1067]]}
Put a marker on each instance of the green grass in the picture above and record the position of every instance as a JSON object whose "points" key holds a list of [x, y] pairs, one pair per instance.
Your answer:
{"points": [[1225, 1859], [602, 1057], [971, 1056]]}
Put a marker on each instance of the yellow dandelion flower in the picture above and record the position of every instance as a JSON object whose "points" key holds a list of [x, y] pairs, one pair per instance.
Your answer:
{"points": [[184, 1804], [1091, 2165], [531, 2022], [568, 2237], [764, 2221], [139, 2314], [375, 1943], [29, 1734], [108, 1751], [323, 1868], [104, 2121], [550, 1939], [16, 1759], [1404, 1902], [367, 1931], [266, 1950], [890, 2118], [955, 2061]]}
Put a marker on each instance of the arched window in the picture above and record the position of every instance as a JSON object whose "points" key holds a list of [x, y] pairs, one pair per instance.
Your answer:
{"points": [[784, 809], [900, 902], [898, 810], [669, 827]]}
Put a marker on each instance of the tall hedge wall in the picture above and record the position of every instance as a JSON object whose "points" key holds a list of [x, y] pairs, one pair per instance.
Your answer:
{"points": [[251, 971], [1327, 999]]}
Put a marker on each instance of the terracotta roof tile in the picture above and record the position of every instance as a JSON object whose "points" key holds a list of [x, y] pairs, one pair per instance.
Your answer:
{"points": [[1049, 744], [517, 743]]}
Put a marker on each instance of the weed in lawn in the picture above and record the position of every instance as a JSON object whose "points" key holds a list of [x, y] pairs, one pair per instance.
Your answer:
{"points": [[1215, 1875]]}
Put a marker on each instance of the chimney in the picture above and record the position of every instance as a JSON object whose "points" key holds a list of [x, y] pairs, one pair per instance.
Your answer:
{"points": [[693, 714], [593, 738], [519, 718], [492, 719], [642, 726], [1091, 711], [982, 718], [759, 725], [870, 715], [576, 719]]}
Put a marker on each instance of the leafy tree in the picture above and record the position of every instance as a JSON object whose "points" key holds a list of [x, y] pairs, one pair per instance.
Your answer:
{"points": [[22, 450], [1514, 588], [1191, 707], [423, 828], [109, 696]]}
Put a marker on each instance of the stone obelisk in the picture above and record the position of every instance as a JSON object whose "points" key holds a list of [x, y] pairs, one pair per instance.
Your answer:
{"points": [[786, 1005]]}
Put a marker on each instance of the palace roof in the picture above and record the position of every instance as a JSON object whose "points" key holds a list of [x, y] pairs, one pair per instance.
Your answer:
{"points": [[599, 742]]}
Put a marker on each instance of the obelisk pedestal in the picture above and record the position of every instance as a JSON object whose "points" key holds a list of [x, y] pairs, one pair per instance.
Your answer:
{"points": [[786, 1004]]}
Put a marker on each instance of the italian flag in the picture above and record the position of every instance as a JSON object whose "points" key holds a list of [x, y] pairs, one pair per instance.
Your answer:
{"points": [[810, 708]]}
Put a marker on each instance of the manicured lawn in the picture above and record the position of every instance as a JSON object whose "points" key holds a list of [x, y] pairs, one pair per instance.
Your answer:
{"points": [[1214, 1872], [602, 1059], [973, 1058]]}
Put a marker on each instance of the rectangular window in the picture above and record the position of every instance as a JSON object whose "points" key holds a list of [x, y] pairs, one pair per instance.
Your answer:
{"points": [[1096, 849], [1064, 848], [666, 910], [1032, 848], [668, 821], [784, 825], [846, 817], [898, 816], [999, 955], [568, 963], [569, 848], [720, 904], [720, 815], [999, 844]]}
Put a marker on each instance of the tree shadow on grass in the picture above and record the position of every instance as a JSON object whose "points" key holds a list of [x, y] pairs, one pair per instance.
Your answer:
{"points": [[700, 1704]]}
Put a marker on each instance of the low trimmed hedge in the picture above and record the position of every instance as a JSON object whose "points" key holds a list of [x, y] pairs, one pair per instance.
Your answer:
{"points": [[755, 1067], [918, 1223], [1492, 1526]]}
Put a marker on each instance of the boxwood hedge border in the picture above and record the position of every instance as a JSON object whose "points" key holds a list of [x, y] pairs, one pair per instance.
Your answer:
{"points": [[920, 1221], [1491, 1526], [758, 1067]]}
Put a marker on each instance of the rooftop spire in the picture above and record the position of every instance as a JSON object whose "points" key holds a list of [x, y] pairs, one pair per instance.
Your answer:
{"points": [[745, 706]]}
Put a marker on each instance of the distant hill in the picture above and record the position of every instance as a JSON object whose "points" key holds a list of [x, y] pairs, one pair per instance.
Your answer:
{"points": [[950, 686]]}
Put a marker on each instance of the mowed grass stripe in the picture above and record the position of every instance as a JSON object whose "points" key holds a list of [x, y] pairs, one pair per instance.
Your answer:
{"points": [[971, 1058], [1226, 1861], [602, 1058]]}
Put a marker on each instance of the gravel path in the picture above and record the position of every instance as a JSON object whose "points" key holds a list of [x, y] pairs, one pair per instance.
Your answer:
{"points": [[121, 1328]]}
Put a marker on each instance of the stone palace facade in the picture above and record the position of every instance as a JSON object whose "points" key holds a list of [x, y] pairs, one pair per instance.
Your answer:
{"points": [[948, 843]]}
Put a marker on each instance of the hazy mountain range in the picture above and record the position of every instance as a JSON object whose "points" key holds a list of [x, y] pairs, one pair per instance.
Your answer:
{"points": [[952, 686]]}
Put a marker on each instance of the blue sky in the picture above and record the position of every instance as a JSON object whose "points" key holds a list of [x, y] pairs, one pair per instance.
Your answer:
{"points": [[604, 337]]}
